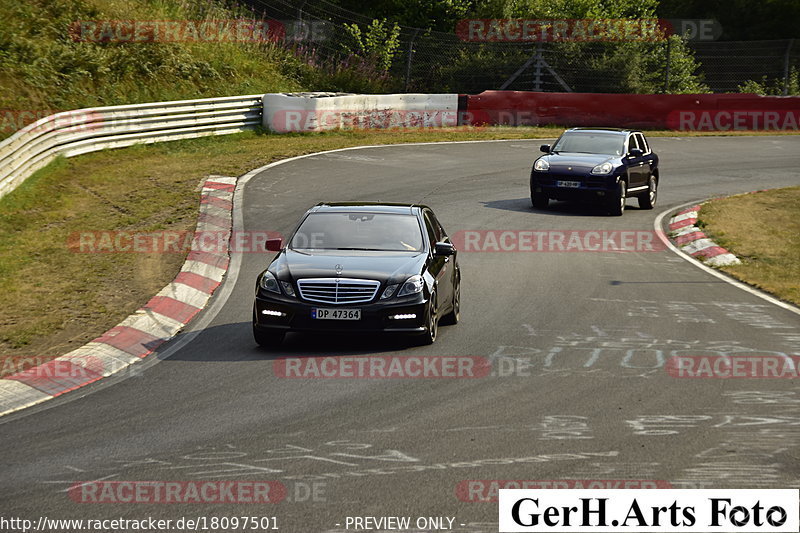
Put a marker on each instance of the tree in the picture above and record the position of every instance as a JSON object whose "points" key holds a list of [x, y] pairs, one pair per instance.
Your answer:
{"points": [[636, 66], [378, 42], [740, 19], [441, 15]]}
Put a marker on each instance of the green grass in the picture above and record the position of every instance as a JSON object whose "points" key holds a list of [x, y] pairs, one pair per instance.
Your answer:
{"points": [[763, 230], [43, 70]]}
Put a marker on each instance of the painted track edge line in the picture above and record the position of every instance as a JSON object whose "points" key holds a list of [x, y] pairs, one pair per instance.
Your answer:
{"points": [[658, 226]]}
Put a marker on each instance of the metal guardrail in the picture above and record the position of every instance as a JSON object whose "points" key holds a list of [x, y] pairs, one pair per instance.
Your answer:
{"points": [[77, 132]]}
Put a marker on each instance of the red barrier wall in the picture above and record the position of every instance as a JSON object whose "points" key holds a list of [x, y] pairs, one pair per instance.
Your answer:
{"points": [[701, 112]]}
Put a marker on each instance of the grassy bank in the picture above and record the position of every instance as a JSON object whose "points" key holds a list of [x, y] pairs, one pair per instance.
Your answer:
{"points": [[763, 230], [48, 65], [44, 67]]}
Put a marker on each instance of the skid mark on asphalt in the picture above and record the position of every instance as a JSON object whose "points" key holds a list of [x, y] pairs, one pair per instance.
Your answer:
{"points": [[624, 352], [756, 316], [748, 447], [305, 462]]}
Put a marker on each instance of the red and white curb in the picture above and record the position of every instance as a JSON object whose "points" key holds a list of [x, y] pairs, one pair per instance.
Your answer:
{"points": [[139, 335], [691, 240]]}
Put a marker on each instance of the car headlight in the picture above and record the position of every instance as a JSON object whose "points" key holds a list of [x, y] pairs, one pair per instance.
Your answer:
{"points": [[269, 283], [541, 165], [287, 288], [603, 168], [389, 291], [413, 285]]}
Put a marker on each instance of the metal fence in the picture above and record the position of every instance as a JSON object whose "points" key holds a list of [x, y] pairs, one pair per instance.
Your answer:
{"points": [[432, 61], [725, 65], [442, 63], [86, 130]]}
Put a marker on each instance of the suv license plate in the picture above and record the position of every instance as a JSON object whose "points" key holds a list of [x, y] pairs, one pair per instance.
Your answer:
{"points": [[570, 184]]}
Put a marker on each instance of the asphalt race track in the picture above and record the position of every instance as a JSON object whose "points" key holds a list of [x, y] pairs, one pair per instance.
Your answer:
{"points": [[578, 342]]}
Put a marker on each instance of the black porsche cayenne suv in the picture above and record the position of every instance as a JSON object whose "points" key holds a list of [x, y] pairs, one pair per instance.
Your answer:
{"points": [[360, 267], [600, 165]]}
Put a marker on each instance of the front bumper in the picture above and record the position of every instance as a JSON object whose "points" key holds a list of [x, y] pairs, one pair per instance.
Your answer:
{"points": [[296, 316], [589, 187]]}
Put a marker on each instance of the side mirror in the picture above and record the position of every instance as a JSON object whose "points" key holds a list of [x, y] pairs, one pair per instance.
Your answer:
{"points": [[444, 249], [274, 245], [545, 148], [636, 152]]}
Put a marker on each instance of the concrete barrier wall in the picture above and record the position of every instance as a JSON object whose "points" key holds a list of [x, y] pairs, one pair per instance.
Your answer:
{"points": [[685, 112], [326, 111]]}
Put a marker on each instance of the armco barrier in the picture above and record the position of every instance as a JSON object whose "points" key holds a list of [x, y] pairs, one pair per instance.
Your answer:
{"points": [[86, 130], [325, 111], [704, 112]]}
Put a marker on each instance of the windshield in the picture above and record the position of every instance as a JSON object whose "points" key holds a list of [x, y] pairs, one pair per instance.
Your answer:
{"points": [[590, 143], [358, 231]]}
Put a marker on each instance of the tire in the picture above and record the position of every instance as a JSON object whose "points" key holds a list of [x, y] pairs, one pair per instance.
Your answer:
{"points": [[453, 317], [648, 199], [616, 204], [432, 329], [268, 339], [539, 201]]}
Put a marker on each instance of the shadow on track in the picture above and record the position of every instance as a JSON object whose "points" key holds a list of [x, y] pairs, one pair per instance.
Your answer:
{"points": [[704, 282], [234, 342], [556, 208]]}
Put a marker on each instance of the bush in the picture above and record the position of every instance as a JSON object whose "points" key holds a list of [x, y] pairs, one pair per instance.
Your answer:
{"points": [[378, 43], [612, 66], [774, 86], [43, 68]]}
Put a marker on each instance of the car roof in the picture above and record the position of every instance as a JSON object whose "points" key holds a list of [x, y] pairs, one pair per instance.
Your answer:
{"points": [[618, 131], [367, 207]]}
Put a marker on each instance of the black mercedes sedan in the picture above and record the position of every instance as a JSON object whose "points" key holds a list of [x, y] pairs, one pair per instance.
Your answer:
{"points": [[359, 267], [604, 166]]}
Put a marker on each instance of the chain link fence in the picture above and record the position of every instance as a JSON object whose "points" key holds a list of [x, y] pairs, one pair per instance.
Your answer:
{"points": [[726, 65], [437, 62], [441, 63]]}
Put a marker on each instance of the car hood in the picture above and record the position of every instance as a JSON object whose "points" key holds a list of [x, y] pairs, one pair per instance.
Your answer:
{"points": [[386, 267], [563, 160]]}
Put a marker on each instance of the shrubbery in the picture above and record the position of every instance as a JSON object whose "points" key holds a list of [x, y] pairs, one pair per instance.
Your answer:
{"points": [[43, 68], [774, 86]]}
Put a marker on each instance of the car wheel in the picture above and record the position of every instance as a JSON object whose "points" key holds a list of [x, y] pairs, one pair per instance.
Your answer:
{"points": [[648, 199], [617, 201], [454, 316], [540, 200], [432, 327]]}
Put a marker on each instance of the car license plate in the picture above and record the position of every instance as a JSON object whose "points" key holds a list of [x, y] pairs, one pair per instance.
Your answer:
{"points": [[321, 313], [570, 184]]}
